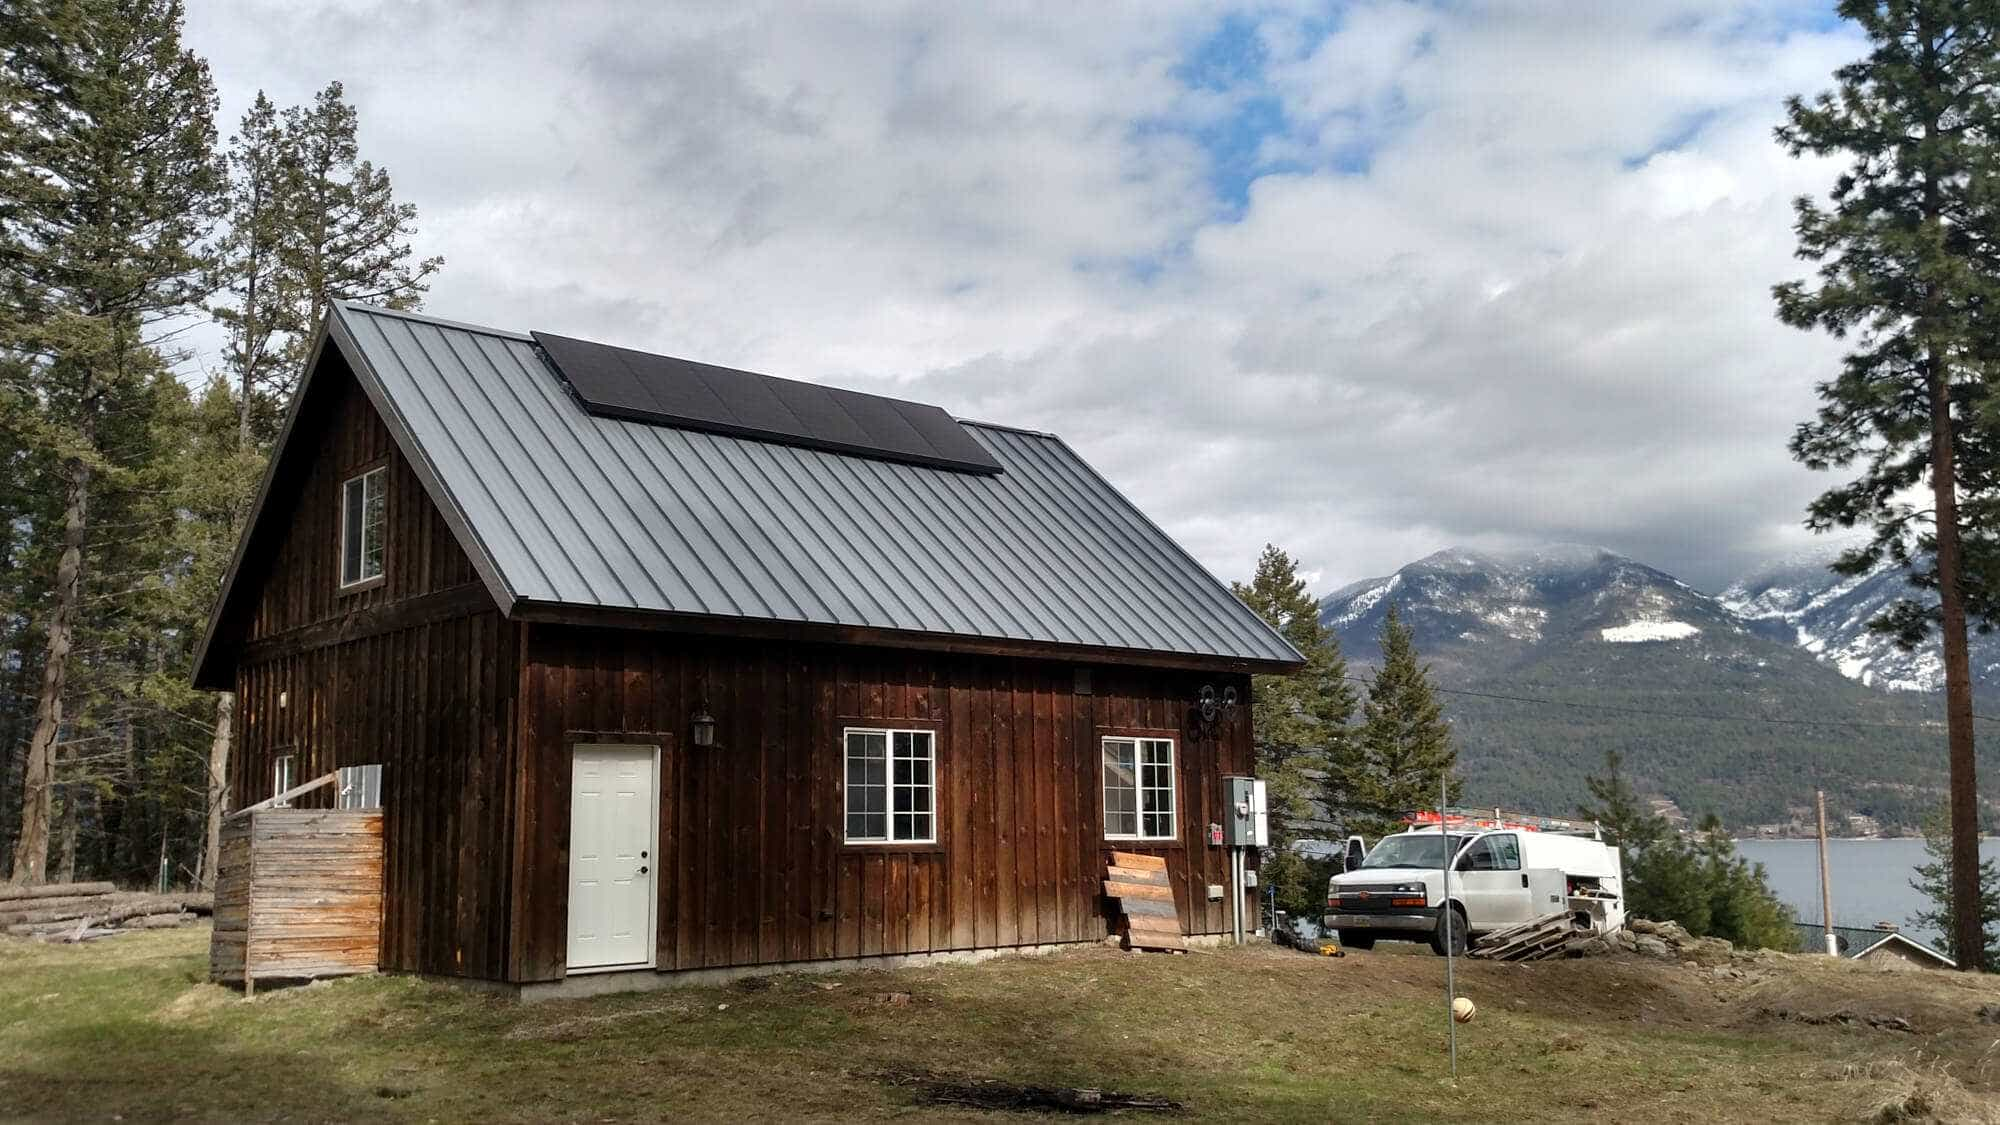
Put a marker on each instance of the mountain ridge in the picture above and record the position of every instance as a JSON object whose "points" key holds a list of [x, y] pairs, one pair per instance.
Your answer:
{"points": [[1551, 656]]}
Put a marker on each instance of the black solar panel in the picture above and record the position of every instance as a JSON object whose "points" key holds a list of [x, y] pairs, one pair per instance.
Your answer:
{"points": [[621, 383]]}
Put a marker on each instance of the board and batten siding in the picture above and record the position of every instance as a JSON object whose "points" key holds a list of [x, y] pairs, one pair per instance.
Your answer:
{"points": [[752, 863], [416, 672]]}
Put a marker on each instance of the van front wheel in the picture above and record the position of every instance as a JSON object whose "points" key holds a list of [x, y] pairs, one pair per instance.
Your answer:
{"points": [[1458, 935], [1351, 940]]}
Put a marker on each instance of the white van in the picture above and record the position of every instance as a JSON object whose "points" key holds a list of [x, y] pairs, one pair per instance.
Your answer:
{"points": [[1499, 878]]}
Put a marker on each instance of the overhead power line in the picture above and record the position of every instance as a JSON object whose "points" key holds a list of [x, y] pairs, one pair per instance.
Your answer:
{"points": [[1612, 708]]}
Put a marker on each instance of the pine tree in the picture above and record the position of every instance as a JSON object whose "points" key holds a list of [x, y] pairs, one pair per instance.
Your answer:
{"points": [[1403, 751], [110, 185], [1303, 727], [348, 238], [1935, 883], [260, 310], [1908, 246], [1704, 886], [1741, 905]]}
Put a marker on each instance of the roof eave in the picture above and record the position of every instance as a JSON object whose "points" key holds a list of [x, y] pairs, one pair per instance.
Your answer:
{"points": [[596, 616]]}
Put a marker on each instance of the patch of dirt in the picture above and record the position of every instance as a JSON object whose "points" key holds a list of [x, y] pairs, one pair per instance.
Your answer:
{"points": [[984, 1093]]}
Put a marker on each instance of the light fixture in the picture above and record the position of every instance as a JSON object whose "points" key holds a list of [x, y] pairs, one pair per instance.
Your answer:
{"points": [[704, 727]]}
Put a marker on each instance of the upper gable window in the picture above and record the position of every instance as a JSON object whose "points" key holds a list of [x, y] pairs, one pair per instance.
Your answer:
{"points": [[362, 518]]}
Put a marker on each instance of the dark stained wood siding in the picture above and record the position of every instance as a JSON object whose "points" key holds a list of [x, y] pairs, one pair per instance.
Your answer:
{"points": [[752, 861], [418, 673]]}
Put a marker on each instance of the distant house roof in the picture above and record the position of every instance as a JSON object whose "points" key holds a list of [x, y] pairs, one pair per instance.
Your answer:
{"points": [[564, 507], [1909, 946], [1857, 942]]}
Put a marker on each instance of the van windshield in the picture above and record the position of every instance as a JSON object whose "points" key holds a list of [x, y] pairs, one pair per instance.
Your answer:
{"points": [[1410, 850]]}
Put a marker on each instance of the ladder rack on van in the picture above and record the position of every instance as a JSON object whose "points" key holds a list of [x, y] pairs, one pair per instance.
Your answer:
{"points": [[1484, 820]]}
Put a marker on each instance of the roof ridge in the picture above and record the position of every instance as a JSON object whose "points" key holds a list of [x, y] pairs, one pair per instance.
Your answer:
{"points": [[1006, 428], [425, 318]]}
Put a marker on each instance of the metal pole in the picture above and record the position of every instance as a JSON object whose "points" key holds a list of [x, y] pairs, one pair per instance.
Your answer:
{"points": [[1235, 898], [1450, 975], [1825, 883]]}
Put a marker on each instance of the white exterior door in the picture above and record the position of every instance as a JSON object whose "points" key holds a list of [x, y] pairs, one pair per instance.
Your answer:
{"points": [[613, 832]]}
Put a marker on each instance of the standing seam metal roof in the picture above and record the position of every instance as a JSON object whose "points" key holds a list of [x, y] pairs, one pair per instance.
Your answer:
{"points": [[573, 508]]}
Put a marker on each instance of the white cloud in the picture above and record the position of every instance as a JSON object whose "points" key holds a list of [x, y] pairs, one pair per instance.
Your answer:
{"points": [[1507, 277]]}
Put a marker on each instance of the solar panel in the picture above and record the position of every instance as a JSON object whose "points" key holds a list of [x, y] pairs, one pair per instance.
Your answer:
{"points": [[622, 383]]}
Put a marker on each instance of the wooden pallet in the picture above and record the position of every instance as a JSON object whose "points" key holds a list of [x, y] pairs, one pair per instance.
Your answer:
{"points": [[1144, 898], [1532, 940]]}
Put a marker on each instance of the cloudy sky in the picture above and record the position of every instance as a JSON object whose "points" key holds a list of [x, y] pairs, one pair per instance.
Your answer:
{"points": [[1365, 280]]}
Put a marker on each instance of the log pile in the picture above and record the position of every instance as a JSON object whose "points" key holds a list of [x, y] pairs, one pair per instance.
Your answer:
{"points": [[84, 911]]}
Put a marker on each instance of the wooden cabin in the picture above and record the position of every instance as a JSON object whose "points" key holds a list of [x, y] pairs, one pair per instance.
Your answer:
{"points": [[670, 667]]}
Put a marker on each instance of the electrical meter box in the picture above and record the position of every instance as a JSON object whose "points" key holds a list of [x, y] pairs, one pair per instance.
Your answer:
{"points": [[1245, 822]]}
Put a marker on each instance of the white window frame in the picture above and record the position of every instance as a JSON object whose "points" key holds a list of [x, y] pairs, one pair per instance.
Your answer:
{"points": [[283, 777], [1138, 743], [890, 785], [377, 480]]}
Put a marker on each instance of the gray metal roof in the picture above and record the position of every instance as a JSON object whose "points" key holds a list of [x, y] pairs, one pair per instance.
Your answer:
{"points": [[567, 508]]}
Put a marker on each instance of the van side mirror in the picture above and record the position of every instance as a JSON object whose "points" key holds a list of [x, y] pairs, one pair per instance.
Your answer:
{"points": [[1357, 850]]}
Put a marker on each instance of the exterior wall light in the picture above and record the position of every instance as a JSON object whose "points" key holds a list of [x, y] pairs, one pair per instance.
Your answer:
{"points": [[704, 727]]}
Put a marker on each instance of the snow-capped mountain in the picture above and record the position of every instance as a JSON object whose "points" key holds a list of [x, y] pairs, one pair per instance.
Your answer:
{"points": [[1551, 657], [1827, 614], [1459, 599]]}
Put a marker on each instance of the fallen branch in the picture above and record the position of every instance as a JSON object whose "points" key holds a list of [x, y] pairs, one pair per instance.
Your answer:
{"points": [[111, 910], [53, 890]]}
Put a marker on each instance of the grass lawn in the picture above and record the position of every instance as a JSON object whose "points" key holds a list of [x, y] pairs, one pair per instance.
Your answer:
{"points": [[128, 1027]]}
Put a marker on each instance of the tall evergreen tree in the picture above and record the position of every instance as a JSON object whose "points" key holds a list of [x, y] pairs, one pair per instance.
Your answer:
{"points": [[1303, 727], [110, 184], [1403, 753], [349, 240], [259, 308], [1908, 247], [1935, 883]]}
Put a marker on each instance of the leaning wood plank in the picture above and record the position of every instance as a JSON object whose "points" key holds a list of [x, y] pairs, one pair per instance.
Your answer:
{"points": [[1138, 890], [1150, 907], [1138, 861], [8, 895], [287, 795]]}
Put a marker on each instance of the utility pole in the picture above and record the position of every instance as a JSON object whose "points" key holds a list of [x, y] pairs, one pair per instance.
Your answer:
{"points": [[1825, 884], [1450, 977]]}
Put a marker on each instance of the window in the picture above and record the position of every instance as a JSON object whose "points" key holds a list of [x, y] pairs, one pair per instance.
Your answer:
{"points": [[281, 777], [362, 515], [1492, 853], [360, 787], [1139, 788], [891, 786]]}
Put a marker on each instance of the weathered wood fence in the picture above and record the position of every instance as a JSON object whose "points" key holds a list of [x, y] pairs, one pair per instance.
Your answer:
{"points": [[298, 895]]}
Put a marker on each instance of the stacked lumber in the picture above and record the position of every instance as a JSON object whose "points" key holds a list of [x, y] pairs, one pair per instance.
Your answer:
{"points": [[1143, 899], [1547, 936], [82, 911]]}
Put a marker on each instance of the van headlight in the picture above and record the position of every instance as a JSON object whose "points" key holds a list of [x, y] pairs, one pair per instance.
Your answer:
{"points": [[1412, 888]]}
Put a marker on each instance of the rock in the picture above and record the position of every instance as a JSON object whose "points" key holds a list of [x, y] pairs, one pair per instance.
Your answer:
{"points": [[1988, 1013], [1587, 947], [1673, 934], [1647, 945], [1642, 926], [1707, 951]]}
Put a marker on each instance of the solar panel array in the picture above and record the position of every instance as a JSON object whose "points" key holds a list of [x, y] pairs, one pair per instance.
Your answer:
{"points": [[638, 386]]}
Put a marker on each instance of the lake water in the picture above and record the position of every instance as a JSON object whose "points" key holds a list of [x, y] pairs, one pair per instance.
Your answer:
{"points": [[1871, 878]]}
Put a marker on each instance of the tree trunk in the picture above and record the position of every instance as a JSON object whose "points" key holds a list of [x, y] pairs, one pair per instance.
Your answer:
{"points": [[31, 850], [66, 862], [218, 784], [1968, 936]]}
